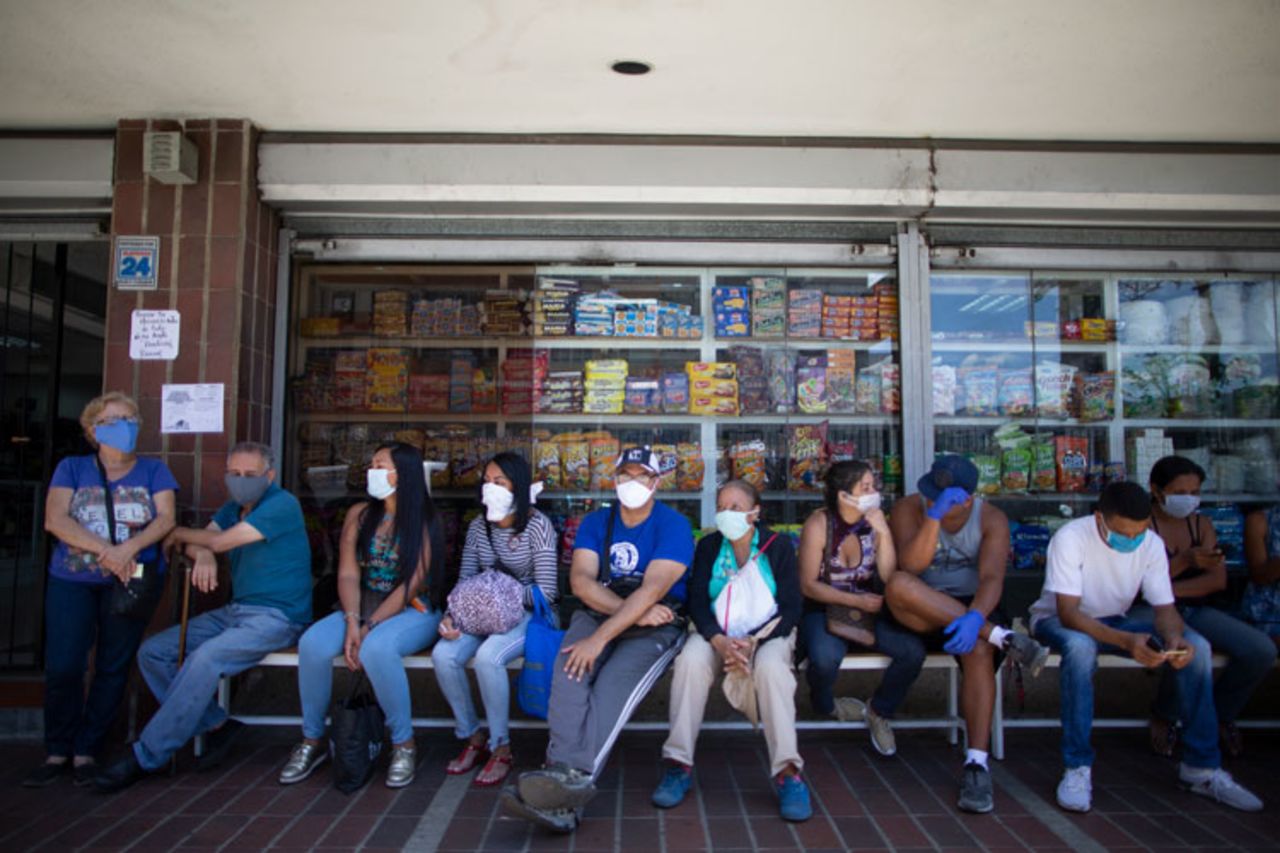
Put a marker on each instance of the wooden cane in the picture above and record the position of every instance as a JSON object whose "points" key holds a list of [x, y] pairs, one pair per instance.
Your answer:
{"points": [[182, 632]]}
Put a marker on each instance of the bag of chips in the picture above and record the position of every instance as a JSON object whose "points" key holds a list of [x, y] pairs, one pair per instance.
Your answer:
{"points": [[604, 456], [575, 463], [806, 447], [1044, 474], [546, 463], [1015, 469], [1017, 393], [748, 459], [689, 467], [988, 474]]}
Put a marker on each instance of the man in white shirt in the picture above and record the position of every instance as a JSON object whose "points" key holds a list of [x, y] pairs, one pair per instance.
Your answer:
{"points": [[1096, 567]]}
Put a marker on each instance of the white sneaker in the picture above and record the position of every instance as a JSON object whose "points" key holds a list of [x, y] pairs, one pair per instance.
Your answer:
{"points": [[1217, 784], [1075, 791]]}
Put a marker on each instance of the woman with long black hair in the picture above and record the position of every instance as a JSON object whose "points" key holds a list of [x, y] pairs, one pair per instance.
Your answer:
{"points": [[517, 539], [392, 587]]}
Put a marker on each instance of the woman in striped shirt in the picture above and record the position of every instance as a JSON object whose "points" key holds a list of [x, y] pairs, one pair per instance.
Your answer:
{"points": [[518, 539]]}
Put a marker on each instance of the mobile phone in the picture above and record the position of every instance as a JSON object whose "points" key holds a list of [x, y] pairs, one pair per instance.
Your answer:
{"points": [[1155, 644]]}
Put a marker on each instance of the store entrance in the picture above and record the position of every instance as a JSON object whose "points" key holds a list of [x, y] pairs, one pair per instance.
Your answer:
{"points": [[52, 323]]}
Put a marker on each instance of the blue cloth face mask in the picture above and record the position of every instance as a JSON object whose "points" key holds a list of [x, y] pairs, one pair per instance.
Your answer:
{"points": [[1123, 544], [119, 435], [247, 491]]}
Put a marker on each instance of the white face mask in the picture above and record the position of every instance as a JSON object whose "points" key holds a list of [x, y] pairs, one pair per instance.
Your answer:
{"points": [[1181, 506], [862, 503], [378, 484], [497, 501], [733, 524], [633, 495]]}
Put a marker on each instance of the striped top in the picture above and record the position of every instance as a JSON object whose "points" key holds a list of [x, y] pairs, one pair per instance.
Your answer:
{"points": [[529, 557]]}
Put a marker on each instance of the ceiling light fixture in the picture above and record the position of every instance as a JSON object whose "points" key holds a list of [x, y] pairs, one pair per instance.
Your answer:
{"points": [[631, 67]]}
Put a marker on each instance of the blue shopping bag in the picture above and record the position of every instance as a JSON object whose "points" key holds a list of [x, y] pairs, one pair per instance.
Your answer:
{"points": [[541, 646]]}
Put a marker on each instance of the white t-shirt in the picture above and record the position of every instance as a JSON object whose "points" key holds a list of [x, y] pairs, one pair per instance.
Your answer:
{"points": [[1081, 563]]}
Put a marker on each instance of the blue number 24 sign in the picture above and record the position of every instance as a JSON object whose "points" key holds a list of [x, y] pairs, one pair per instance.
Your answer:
{"points": [[135, 262]]}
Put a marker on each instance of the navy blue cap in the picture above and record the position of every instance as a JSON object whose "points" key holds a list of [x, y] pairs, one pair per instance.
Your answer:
{"points": [[950, 470], [642, 455]]}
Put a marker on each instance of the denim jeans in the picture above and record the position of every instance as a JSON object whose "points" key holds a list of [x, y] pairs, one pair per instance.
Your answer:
{"points": [[825, 652], [78, 616], [492, 654], [382, 658], [1079, 662], [225, 641], [1251, 655]]}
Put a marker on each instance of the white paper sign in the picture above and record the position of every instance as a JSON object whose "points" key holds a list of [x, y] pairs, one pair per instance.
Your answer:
{"points": [[191, 408], [154, 336]]}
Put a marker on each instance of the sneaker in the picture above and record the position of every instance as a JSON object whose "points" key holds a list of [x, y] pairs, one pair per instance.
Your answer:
{"points": [[563, 821], [675, 783], [1217, 784], [850, 710], [1075, 791], [881, 733], [303, 761], [793, 798], [975, 789], [1232, 741], [404, 762], [120, 775], [1026, 652], [46, 774], [556, 787]]}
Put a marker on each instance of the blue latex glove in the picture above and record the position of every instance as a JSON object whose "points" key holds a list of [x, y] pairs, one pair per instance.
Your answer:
{"points": [[964, 633], [951, 497]]}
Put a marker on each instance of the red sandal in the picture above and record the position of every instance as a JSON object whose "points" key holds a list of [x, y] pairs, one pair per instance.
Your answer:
{"points": [[494, 771], [471, 755]]}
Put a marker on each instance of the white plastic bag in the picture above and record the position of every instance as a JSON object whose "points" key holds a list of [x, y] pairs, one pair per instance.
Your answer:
{"points": [[745, 603]]}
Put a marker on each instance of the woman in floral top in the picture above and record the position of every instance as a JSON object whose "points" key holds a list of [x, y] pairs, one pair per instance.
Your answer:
{"points": [[392, 588]]}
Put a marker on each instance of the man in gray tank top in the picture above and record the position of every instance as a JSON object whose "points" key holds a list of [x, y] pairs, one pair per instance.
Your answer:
{"points": [[952, 551]]}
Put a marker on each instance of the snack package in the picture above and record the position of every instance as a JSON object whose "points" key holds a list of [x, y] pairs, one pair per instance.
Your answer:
{"points": [[980, 396], [1097, 396], [604, 452], [988, 473], [781, 368], [1054, 385], [436, 449], [811, 390], [1017, 393], [643, 397], [668, 463], [1144, 392], [806, 447], [1044, 471], [890, 388], [867, 391], [710, 370], [690, 467], [575, 463], [546, 463], [748, 458], [675, 393], [944, 389], [1015, 469], [467, 462], [1071, 454]]}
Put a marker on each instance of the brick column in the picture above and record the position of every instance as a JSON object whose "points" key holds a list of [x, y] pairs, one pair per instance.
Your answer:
{"points": [[218, 268]]}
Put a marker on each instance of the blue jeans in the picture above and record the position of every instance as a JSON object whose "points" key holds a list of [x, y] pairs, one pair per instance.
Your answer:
{"points": [[226, 641], [825, 652], [1251, 655], [76, 616], [382, 658], [1079, 662], [492, 654]]}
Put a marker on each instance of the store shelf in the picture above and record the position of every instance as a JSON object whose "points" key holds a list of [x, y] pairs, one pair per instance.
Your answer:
{"points": [[1030, 423], [1200, 423], [1020, 346], [610, 495], [1201, 349], [412, 418], [885, 345], [815, 497], [542, 342]]}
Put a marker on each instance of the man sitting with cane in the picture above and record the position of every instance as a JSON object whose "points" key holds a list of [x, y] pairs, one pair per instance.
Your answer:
{"points": [[261, 529]]}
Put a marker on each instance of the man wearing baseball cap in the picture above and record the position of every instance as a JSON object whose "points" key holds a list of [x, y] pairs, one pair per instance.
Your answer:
{"points": [[952, 551], [630, 562]]}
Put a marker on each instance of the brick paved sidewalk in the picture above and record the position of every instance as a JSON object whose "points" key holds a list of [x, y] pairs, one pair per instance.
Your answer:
{"points": [[861, 801]]}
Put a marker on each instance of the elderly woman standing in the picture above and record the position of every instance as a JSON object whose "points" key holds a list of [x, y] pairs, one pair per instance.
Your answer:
{"points": [[83, 570]]}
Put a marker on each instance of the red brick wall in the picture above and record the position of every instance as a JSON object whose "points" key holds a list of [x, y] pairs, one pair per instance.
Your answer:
{"points": [[218, 268]]}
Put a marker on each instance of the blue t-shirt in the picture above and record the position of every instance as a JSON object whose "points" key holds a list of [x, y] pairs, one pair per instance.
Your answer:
{"points": [[134, 498], [276, 571], [664, 535]]}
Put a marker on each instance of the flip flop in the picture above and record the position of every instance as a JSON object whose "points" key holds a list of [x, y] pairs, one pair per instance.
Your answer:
{"points": [[466, 761], [497, 764]]}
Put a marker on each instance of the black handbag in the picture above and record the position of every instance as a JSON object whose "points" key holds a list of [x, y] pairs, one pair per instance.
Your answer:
{"points": [[138, 598], [355, 738]]}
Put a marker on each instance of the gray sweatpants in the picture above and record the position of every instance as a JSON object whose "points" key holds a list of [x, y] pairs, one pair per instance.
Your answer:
{"points": [[586, 716]]}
